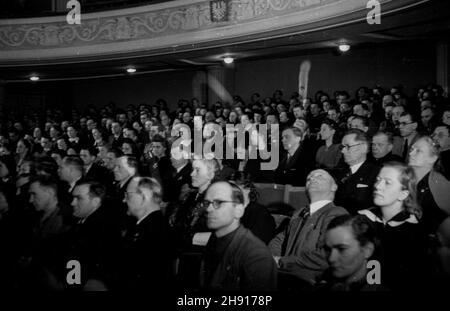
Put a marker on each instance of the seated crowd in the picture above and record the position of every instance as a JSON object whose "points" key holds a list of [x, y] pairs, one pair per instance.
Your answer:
{"points": [[111, 191]]}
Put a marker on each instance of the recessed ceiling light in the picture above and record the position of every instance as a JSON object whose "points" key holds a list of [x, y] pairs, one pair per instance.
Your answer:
{"points": [[34, 78], [131, 70], [344, 47], [228, 60]]}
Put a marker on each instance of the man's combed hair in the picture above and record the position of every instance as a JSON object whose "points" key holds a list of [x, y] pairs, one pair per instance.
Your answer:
{"points": [[153, 185], [362, 228], [389, 136], [297, 132], [360, 136], [46, 182], [96, 189]]}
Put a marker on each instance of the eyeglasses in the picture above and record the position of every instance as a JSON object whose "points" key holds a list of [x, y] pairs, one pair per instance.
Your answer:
{"points": [[347, 147], [215, 203], [405, 123]]}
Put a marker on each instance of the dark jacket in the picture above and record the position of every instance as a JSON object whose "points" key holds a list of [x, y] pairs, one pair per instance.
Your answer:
{"points": [[388, 158], [301, 245], [179, 181], [293, 171], [403, 251], [145, 256], [259, 221], [355, 191], [246, 265], [94, 243]]}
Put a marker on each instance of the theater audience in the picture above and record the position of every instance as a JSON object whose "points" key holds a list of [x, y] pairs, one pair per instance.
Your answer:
{"points": [[34, 145]]}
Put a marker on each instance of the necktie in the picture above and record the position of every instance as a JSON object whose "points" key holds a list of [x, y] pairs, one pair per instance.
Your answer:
{"points": [[304, 215], [405, 149]]}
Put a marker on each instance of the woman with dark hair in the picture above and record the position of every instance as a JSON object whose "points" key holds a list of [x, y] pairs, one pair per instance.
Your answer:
{"points": [[256, 217], [329, 155], [396, 218], [23, 152], [130, 148], [350, 242]]}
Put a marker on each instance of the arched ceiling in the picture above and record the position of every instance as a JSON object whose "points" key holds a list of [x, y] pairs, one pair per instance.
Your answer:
{"points": [[426, 23]]}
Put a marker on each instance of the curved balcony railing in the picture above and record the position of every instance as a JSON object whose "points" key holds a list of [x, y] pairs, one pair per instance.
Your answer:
{"points": [[174, 26]]}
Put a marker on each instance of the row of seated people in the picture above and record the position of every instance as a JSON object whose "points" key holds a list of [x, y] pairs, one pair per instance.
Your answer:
{"points": [[185, 183], [413, 233]]}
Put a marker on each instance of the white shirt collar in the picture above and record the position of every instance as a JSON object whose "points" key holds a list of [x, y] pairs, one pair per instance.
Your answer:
{"points": [[355, 167], [314, 207], [180, 168], [140, 220]]}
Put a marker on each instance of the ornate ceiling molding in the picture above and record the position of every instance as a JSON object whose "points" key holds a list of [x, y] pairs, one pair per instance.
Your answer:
{"points": [[168, 27]]}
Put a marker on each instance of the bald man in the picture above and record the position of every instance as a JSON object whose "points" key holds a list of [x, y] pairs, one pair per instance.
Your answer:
{"points": [[235, 259], [299, 250]]}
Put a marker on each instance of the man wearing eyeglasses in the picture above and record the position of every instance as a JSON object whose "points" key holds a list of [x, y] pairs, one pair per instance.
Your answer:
{"points": [[355, 186], [235, 259], [407, 126]]}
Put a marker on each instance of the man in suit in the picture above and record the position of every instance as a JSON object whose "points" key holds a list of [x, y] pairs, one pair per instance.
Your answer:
{"points": [[408, 125], [71, 171], [116, 139], [92, 170], [357, 181], [95, 238], [292, 169], [74, 141], [146, 255], [42, 258], [124, 170], [181, 177], [382, 144], [299, 249], [235, 259]]}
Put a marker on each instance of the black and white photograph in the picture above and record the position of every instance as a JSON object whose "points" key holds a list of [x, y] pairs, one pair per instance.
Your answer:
{"points": [[225, 154]]}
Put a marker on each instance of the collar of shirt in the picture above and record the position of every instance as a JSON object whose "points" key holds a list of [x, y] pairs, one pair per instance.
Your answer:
{"points": [[314, 207], [87, 168], [355, 168], [145, 216], [180, 168], [72, 185], [124, 182]]}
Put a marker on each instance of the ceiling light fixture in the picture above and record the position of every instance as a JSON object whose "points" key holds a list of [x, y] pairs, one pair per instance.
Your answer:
{"points": [[344, 47], [228, 60], [131, 70], [34, 78]]}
